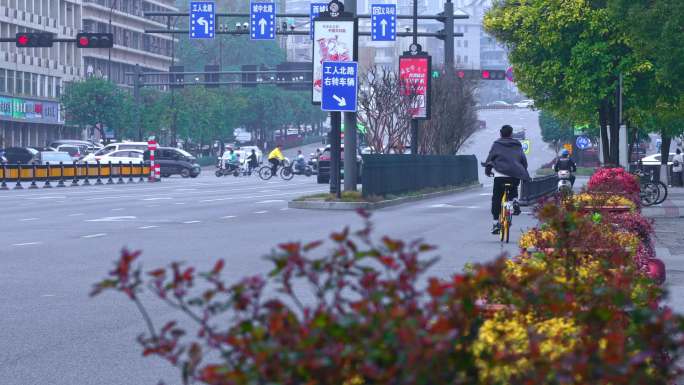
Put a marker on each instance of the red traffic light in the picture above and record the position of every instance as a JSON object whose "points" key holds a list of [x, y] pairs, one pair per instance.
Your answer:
{"points": [[22, 40], [83, 41], [485, 74], [461, 74]]}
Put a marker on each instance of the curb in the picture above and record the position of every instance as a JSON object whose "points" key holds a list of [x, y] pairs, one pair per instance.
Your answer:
{"points": [[322, 205]]}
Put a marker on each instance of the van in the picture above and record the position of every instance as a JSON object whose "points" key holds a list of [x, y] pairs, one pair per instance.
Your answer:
{"points": [[142, 146]]}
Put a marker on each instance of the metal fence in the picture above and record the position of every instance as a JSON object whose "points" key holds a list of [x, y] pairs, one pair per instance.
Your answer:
{"points": [[397, 174], [537, 188], [72, 174]]}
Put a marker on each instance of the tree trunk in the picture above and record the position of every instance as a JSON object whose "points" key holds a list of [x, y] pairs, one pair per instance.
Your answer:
{"points": [[665, 147], [634, 136], [603, 122], [614, 117]]}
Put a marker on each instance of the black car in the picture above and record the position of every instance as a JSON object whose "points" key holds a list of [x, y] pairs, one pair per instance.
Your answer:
{"points": [[174, 161], [23, 155], [323, 166]]}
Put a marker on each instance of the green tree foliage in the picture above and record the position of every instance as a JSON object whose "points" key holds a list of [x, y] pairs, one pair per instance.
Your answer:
{"points": [[95, 102], [555, 131]]}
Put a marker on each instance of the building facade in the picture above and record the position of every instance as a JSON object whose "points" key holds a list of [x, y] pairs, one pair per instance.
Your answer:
{"points": [[31, 79]]}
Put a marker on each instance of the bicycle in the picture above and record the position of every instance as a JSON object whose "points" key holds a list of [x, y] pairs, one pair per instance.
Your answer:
{"points": [[652, 193], [266, 172], [506, 215]]}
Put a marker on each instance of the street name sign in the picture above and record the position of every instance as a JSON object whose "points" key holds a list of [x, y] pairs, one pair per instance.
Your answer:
{"points": [[334, 40], [340, 85], [262, 21], [383, 22], [316, 9], [202, 18]]}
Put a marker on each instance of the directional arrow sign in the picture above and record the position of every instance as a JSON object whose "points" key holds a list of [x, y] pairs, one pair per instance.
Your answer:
{"points": [[340, 85], [262, 21], [202, 18], [383, 22]]}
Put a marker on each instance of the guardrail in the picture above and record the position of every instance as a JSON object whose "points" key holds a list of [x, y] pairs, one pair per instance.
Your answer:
{"points": [[537, 188], [71, 174], [397, 174]]}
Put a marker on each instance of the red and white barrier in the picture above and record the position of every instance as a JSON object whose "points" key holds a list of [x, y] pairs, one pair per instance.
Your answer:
{"points": [[155, 174]]}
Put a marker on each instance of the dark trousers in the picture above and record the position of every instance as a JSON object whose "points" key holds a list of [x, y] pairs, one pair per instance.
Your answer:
{"points": [[499, 187], [274, 165]]}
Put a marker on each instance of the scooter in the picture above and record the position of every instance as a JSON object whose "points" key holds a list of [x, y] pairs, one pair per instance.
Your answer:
{"points": [[223, 168], [564, 182]]}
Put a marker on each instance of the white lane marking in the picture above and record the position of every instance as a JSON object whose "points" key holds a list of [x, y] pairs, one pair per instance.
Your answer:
{"points": [[117, 209], [179, 203], [228, 217], [486, 194], [76, 214], [96, 199], [284, 209], [29, 219], [112, 219], [98, 235], [147, 227], [157, 199], [446, 205], [191, 222], [261, 212], [48, 197], [27, 244], [215, 200], [47, 295], [271, 201]]}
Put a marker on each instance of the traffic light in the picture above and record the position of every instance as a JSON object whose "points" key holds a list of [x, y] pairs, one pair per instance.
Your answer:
{"points": [[177, 80], [249, 77], [94, 40], [482, 74], [285, 77], [211, 75], [34, 39]]}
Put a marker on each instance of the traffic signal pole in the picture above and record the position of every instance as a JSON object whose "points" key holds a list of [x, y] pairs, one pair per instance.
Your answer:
{"points": [[448, 37], [414, 122], [350, 135]]}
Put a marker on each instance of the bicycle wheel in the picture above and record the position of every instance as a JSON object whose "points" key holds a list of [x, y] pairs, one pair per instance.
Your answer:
{"points": [[286, 173], [662, 193], [649, 194], [265, 173]]}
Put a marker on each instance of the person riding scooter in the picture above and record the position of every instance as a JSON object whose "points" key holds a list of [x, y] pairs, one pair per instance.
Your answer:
{"points": [[300, 164], [565, 163]]}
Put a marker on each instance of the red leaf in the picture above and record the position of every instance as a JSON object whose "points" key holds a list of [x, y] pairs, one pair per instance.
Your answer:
{"points": [[158, 273], [218, 267]]}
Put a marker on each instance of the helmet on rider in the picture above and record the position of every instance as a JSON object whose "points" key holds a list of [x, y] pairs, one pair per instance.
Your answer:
{"points": [[565, 153]]}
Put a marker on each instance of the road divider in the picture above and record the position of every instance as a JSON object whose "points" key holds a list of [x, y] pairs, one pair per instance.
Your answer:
{"points": [[537, 188], [81, 173]]}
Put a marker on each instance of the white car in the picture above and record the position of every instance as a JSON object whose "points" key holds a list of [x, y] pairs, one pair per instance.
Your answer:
{"points": [[527, 103], [654, 160], [123, 156], [498, 103], [142, 146]]}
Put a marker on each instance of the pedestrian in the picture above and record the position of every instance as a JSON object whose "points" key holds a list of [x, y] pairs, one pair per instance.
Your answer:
{"points": [[677, 169]]}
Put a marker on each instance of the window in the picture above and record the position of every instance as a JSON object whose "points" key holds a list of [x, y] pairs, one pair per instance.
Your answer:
{"points": [[465, 58], [34, 85], [19, 83], [458, 59], [465, 43], [27, 83], [10, 81], [2, 80]]}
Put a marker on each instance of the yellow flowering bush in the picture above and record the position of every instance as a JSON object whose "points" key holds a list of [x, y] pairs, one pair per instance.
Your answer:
{"points": [[507, 337], [610, 200]]}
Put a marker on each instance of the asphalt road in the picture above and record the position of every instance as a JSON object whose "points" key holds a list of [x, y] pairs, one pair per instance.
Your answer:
{"points": [[54, 244]]}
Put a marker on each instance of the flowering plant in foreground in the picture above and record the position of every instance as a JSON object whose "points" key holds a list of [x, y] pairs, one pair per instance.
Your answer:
{"points": [[615, 181], [371, 315]]}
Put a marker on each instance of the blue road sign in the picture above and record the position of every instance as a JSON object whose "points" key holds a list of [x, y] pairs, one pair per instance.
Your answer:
{"points": [[583, 142], [262, 21], [316, 9], [202, 17], [383, 22], [340, 83]]}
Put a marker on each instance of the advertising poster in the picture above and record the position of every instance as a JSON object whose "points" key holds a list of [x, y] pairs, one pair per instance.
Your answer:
{"points": [[333, 41], [414, 72]]}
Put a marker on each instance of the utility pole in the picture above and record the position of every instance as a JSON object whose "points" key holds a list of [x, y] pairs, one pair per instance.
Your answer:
{"points": [[350, 135], [448, 37], [136, 96], [414, 122]]}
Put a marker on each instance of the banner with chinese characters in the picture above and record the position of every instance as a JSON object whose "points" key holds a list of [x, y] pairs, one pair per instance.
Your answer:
{"points": [[414, 72], [334, 41], [27, 110]]}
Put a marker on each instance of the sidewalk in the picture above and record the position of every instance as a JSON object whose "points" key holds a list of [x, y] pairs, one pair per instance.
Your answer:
{"points": [[669, 238]]}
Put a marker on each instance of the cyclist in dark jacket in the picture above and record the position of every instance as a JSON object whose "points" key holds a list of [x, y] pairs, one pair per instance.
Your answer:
{"points": [[507, 163]]}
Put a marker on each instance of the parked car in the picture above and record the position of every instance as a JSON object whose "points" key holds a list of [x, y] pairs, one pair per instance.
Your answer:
{"points": [[497, 104], [654, 160], [527, 103], [75, 152], [174, 161], [142, 146], [123, 156], [53, 158], [23, 155], [87, 147]]}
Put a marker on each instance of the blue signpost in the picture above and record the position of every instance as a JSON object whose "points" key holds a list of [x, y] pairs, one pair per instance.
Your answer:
{"points": [[316, 9], [202, 17], [262, 21], [583, 142], [340, 84], [383, 22]]}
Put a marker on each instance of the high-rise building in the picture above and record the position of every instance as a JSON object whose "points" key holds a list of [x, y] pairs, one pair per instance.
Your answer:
{"points": [[31, 79], [126, 20]]}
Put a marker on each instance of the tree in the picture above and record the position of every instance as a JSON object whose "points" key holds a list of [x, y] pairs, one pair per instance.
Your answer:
{"points": [[385, 110], [454, 118], [568, 56], [555, 131], [95, 103]]}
